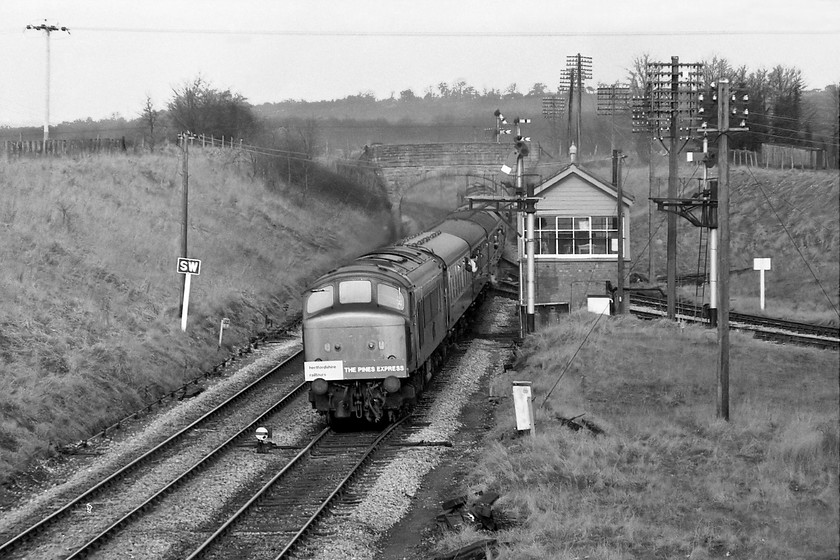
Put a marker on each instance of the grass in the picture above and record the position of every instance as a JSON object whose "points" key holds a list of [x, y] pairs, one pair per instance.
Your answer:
{"points": [[792, 217], [89, 330], [668, 479], [89, 322]]}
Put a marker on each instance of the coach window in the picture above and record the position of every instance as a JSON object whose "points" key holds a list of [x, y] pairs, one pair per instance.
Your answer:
{"points": [[354, 291], [319, 299], [389, 296]]}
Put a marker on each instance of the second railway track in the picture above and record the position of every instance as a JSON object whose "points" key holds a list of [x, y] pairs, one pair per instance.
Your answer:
{"points": [[764, 328], [148, 515], [74, 524]]}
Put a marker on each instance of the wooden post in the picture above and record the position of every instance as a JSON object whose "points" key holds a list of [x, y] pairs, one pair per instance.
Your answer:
{"points": [[651, 211], [723, 253], [673, 171], [185, 169], [619, 308]]}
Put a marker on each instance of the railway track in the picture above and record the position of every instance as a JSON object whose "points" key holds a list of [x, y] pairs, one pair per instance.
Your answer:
{"points": [[101, 522], [274, 522], [335, 470], [85, 522], [764, 328]]}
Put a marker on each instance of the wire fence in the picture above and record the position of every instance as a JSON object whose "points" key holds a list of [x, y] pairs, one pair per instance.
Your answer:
{"points": [[61, 148]]}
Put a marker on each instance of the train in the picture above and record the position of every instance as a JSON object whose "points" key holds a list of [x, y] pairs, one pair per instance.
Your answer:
{"points": [[376, 329]]}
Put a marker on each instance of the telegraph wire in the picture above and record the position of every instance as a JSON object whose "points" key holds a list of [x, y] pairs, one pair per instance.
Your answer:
{"points": [[795, 245], [462, 33]]}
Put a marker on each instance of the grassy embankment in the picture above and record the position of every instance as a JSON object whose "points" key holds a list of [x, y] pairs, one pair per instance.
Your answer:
{"points": [[667, 479], [801, 236], [89, 322]]}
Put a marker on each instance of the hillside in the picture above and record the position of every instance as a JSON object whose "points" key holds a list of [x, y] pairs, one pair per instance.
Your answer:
{"points": [[791, 216], [660, 476], [90, 327]]}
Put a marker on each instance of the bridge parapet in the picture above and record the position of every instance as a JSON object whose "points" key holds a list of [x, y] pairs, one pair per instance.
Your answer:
{"points": [[399, 167]]}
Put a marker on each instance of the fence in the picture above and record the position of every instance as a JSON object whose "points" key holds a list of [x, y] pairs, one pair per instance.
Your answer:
{"points": [[780, 156], [55, 148], [212, 142], [792, 157]]}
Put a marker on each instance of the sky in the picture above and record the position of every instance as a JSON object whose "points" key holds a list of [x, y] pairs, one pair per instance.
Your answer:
{"points": [[118, 53]]}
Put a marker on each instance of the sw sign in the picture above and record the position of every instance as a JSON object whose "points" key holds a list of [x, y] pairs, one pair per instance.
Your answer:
{"points": [[189, 266]]}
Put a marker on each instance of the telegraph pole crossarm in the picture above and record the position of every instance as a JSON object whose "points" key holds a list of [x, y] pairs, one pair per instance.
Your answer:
{"points": [[578, 68], [47, 29], [612, 100], [670, 100]]}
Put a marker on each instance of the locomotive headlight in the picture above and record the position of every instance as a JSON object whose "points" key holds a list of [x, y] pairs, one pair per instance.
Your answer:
{"points": [[337, 347], [319, 386], [391, 384], [371, 345]]}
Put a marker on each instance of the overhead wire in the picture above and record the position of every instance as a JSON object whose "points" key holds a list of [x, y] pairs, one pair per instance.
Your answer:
{"points": [[459, 33], [795, 245]]}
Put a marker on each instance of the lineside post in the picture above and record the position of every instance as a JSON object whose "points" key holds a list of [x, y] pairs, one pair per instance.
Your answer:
{"points": [[617, 183], [673, 174], [723, 252], [185, 182]]}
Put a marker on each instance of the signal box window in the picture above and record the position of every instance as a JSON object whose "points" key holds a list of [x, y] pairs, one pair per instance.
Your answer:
{"points": [[354, 291], [578, 235], [319, 299], [390, 296]]}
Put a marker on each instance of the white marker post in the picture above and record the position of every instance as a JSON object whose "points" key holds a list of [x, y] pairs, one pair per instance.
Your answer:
{"points": [[188, 267], [224, 324], [761, 265], [523, 406]]}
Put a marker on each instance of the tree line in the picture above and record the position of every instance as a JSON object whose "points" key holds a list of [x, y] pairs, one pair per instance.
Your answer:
{"points": [[781, 111]]}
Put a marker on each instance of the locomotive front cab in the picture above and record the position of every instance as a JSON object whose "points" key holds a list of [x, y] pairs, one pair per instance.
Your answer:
{"points": [[356, 348]]}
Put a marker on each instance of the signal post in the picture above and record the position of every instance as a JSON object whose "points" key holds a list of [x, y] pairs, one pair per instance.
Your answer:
{"points": [[524, 201]]}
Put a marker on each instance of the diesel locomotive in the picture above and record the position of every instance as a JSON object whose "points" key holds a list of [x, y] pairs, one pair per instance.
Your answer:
{"points": [[375, 330]]}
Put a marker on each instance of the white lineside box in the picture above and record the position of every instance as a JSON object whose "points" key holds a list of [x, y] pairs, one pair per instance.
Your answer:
{"points": [[598, 304], [523, 406]]}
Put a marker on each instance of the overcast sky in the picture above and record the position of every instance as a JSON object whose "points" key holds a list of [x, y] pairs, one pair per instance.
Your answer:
{"points": [[118, 52]]}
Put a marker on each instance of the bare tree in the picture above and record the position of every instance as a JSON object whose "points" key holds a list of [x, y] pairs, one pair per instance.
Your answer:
{"points": [[638, 75], [715, 69], [150, 117]]}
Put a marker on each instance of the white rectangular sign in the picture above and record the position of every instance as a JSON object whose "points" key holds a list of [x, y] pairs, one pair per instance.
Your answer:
{"points": [[761, 264], [522, 405], [189, 266], [332, 370]]}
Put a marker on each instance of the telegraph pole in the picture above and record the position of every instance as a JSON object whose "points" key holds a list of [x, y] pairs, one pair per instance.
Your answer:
{"points": [[669, 100], [571, 101], [47, 29], [651, 180], [723, 252], [611, 100], [578, 68], [553, 108], [616, 154], [673, 176]]}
